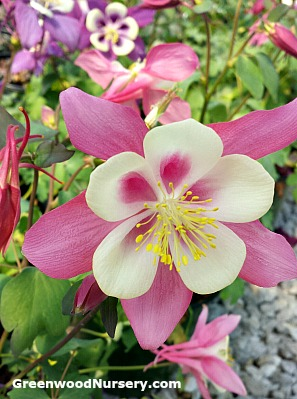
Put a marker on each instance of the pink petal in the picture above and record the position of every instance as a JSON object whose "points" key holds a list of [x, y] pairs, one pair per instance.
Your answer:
{"points": [[270, 259], [154, 315], [62, 243], [260, 132], [201, 385], [221, 374], [217, 330], [201, 322], [88, 295], [177, 110], [124, 88], [99, 127], [173, 61], [97, 66]]}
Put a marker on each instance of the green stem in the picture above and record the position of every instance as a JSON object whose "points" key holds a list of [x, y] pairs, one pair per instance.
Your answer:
{"points": [[122, 368], [226, 67], [31, 209], [208, 52], [238, 108], [56, 395], [95, 333], [55, 348]]}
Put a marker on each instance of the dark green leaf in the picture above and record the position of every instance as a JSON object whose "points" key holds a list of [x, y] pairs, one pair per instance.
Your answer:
{"points": [[109, 315], [6, 120], [269, 74], [3, 281], [68, 300], [27, 393], [250, 76], [39, 128], [48, 153], [31, 305], [217, 112]]}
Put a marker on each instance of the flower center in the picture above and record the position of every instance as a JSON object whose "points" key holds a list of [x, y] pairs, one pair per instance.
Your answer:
{"points": [[111, 35], [180, 220]]}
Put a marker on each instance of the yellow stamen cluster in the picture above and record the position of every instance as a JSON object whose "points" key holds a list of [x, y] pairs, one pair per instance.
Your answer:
{"points": [[179, 219], [111, 35]]}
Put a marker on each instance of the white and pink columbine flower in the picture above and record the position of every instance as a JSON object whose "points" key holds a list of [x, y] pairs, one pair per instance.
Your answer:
{"points": [[206, 355], [172, 211], [148, 80], [112, 30]]}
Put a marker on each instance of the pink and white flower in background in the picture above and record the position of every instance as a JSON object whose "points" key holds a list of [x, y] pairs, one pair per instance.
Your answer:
{"points": [[206, 355], [148, 80], [173, 210]]}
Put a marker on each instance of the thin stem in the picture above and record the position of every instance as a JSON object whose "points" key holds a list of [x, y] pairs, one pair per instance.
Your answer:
{"points": [[238, 108], [122, 368], [95, 333], [55, 348], [3, 339], [72, 178], [56, 395], [226, 67], [31, 209], [50, 191], [208, 52], [235, 25], [16, 256]]}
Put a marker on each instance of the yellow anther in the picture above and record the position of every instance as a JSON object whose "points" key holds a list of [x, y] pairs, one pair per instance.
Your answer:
{"points": [[139, 238], [149, 247], [185, 260], [156, 248], [189, 193]]}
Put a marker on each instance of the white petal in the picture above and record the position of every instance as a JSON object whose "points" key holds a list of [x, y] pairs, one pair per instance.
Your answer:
{"points": [[123, 46], [119, 270], [102, 45], [64, 6], [182, 152], [119, 188], [40, 8], [221, 265], [92, 18], [131, 28], [117, 9], [240, 187]]}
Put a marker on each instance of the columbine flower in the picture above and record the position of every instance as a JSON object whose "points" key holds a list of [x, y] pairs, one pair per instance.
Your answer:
{"points": [[282, 37], [10, 193], [206, 355], [112, 31], [140, 196], [33, 18], [148, 80]]}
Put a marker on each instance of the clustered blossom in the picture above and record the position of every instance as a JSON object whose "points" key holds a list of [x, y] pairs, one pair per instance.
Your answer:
{"points": [[206, 355], [168, 213], [148, 80]]}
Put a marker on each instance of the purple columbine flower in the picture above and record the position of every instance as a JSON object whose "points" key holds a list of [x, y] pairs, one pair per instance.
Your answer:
{"points": [[112, 30], [35, 17]]}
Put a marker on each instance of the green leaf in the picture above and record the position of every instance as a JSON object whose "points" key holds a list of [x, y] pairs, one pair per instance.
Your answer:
{"points": [[233, 292], [6, 120], [292, 179], [3, 281], [277, 13], [217, 112], [48, 153], [39, 128], [31, 305], [269, 74], [109, 315], [202, 6], [250, 76], [27, 393], [68, 300]]}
